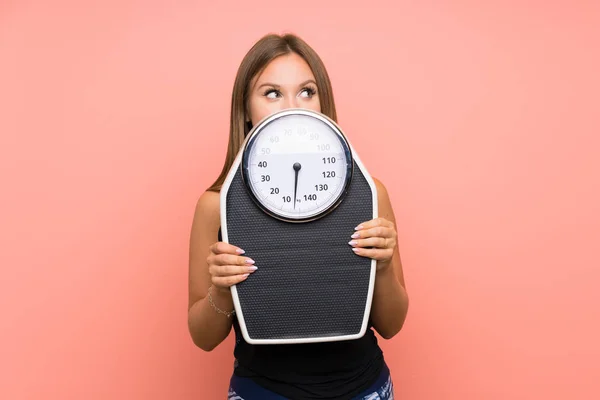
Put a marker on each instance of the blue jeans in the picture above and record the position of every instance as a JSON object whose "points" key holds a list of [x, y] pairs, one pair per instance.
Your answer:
{"points": [[246, 389]]}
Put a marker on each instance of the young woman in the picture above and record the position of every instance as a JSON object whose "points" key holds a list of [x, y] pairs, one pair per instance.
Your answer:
{"points": [[282, 72]]}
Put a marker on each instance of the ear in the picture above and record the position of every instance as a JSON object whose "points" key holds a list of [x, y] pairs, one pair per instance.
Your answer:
{"points": [[247, 116]]}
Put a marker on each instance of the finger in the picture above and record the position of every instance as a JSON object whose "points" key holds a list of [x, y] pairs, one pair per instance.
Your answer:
{"points": [[377, 231], [227, 281], [229, 270], [377, 242], [376, 254], [229, 259], [225, 248], [373, 223]]}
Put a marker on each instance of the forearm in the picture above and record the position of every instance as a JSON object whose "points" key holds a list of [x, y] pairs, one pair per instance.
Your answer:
{"points": [[390, 303], [208, 327]]}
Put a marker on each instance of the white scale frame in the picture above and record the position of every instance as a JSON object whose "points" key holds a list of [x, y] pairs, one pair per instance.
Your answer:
{"points": [[224, 232]]}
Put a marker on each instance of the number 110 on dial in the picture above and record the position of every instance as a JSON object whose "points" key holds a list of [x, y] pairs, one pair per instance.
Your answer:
{"points": [[297, 167]]}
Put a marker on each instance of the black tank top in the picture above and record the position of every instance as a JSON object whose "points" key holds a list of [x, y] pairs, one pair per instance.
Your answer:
{"points": [[329, 370]]}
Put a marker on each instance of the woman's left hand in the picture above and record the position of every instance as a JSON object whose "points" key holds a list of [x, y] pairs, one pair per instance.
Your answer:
{"points": [[375, 239]]}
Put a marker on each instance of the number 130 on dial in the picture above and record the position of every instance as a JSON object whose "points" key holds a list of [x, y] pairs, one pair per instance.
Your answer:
{"points": [[297, 165]]}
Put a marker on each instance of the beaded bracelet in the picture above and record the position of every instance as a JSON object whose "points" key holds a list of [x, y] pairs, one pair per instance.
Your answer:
{"points": [[217, 309]]}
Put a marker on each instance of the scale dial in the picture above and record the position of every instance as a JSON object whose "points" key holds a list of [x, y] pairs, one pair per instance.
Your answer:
{"points": [[297, 165]]}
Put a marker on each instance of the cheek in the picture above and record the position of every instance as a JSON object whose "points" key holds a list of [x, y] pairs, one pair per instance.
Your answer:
{"points": [[256, 110], [260, 110], [314, 104]]}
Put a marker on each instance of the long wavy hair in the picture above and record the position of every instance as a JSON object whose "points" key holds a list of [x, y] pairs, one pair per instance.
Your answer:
{"points": [[256, 60]]}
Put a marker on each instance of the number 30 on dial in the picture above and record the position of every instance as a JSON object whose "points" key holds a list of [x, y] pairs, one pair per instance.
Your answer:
{"points": [[297, 165]]}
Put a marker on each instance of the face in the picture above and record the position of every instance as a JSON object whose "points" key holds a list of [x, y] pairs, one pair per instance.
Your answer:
{"points": [[286, 82]]}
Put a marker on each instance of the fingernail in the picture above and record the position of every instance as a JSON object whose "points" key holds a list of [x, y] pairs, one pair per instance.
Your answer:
{"points": [[249, 261], [253, 268], [354, 236], [352, 243], [245, 276], [240, 251], [355, 249], [358, 227]]}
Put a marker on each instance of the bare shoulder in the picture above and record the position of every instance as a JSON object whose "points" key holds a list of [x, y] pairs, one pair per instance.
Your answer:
{"points": [[381, 189], [383, 201], [207, 217], [208, 204], [382, 193]]}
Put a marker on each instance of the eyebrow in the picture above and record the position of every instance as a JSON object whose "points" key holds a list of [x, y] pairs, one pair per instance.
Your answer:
{"points": [[278, 86]]}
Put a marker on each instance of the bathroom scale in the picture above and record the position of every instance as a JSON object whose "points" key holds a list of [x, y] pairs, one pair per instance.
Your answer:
{"points": [[291, 200]]}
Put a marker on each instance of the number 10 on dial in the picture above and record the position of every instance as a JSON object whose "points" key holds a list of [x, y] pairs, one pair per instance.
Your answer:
{"points": [[297, 165]]}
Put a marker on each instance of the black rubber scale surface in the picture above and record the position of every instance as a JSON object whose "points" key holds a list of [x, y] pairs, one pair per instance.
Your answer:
{"points": [[309, 282]]}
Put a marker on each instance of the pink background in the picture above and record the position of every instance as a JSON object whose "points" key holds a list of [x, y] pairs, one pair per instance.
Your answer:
{"points": [[482, 119]]}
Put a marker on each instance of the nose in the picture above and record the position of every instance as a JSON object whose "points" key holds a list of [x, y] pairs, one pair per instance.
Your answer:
{"points": [[291, 102]]}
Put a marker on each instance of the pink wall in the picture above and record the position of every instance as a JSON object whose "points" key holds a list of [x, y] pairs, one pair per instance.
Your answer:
{"points": [[480, 117]]}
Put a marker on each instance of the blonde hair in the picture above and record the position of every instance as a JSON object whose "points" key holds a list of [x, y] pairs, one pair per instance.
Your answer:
{"points": [[256, 60]]}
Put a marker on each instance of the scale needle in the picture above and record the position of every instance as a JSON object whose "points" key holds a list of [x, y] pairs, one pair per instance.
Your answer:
{"points": [[297, 167]]}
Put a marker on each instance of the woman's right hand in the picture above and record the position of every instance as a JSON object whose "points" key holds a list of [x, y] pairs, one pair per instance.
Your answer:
{"points": [[227, 266]]}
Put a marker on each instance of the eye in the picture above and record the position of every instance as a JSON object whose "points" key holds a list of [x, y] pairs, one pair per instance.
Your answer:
{"points": [[271, 94], [308, 92]]}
